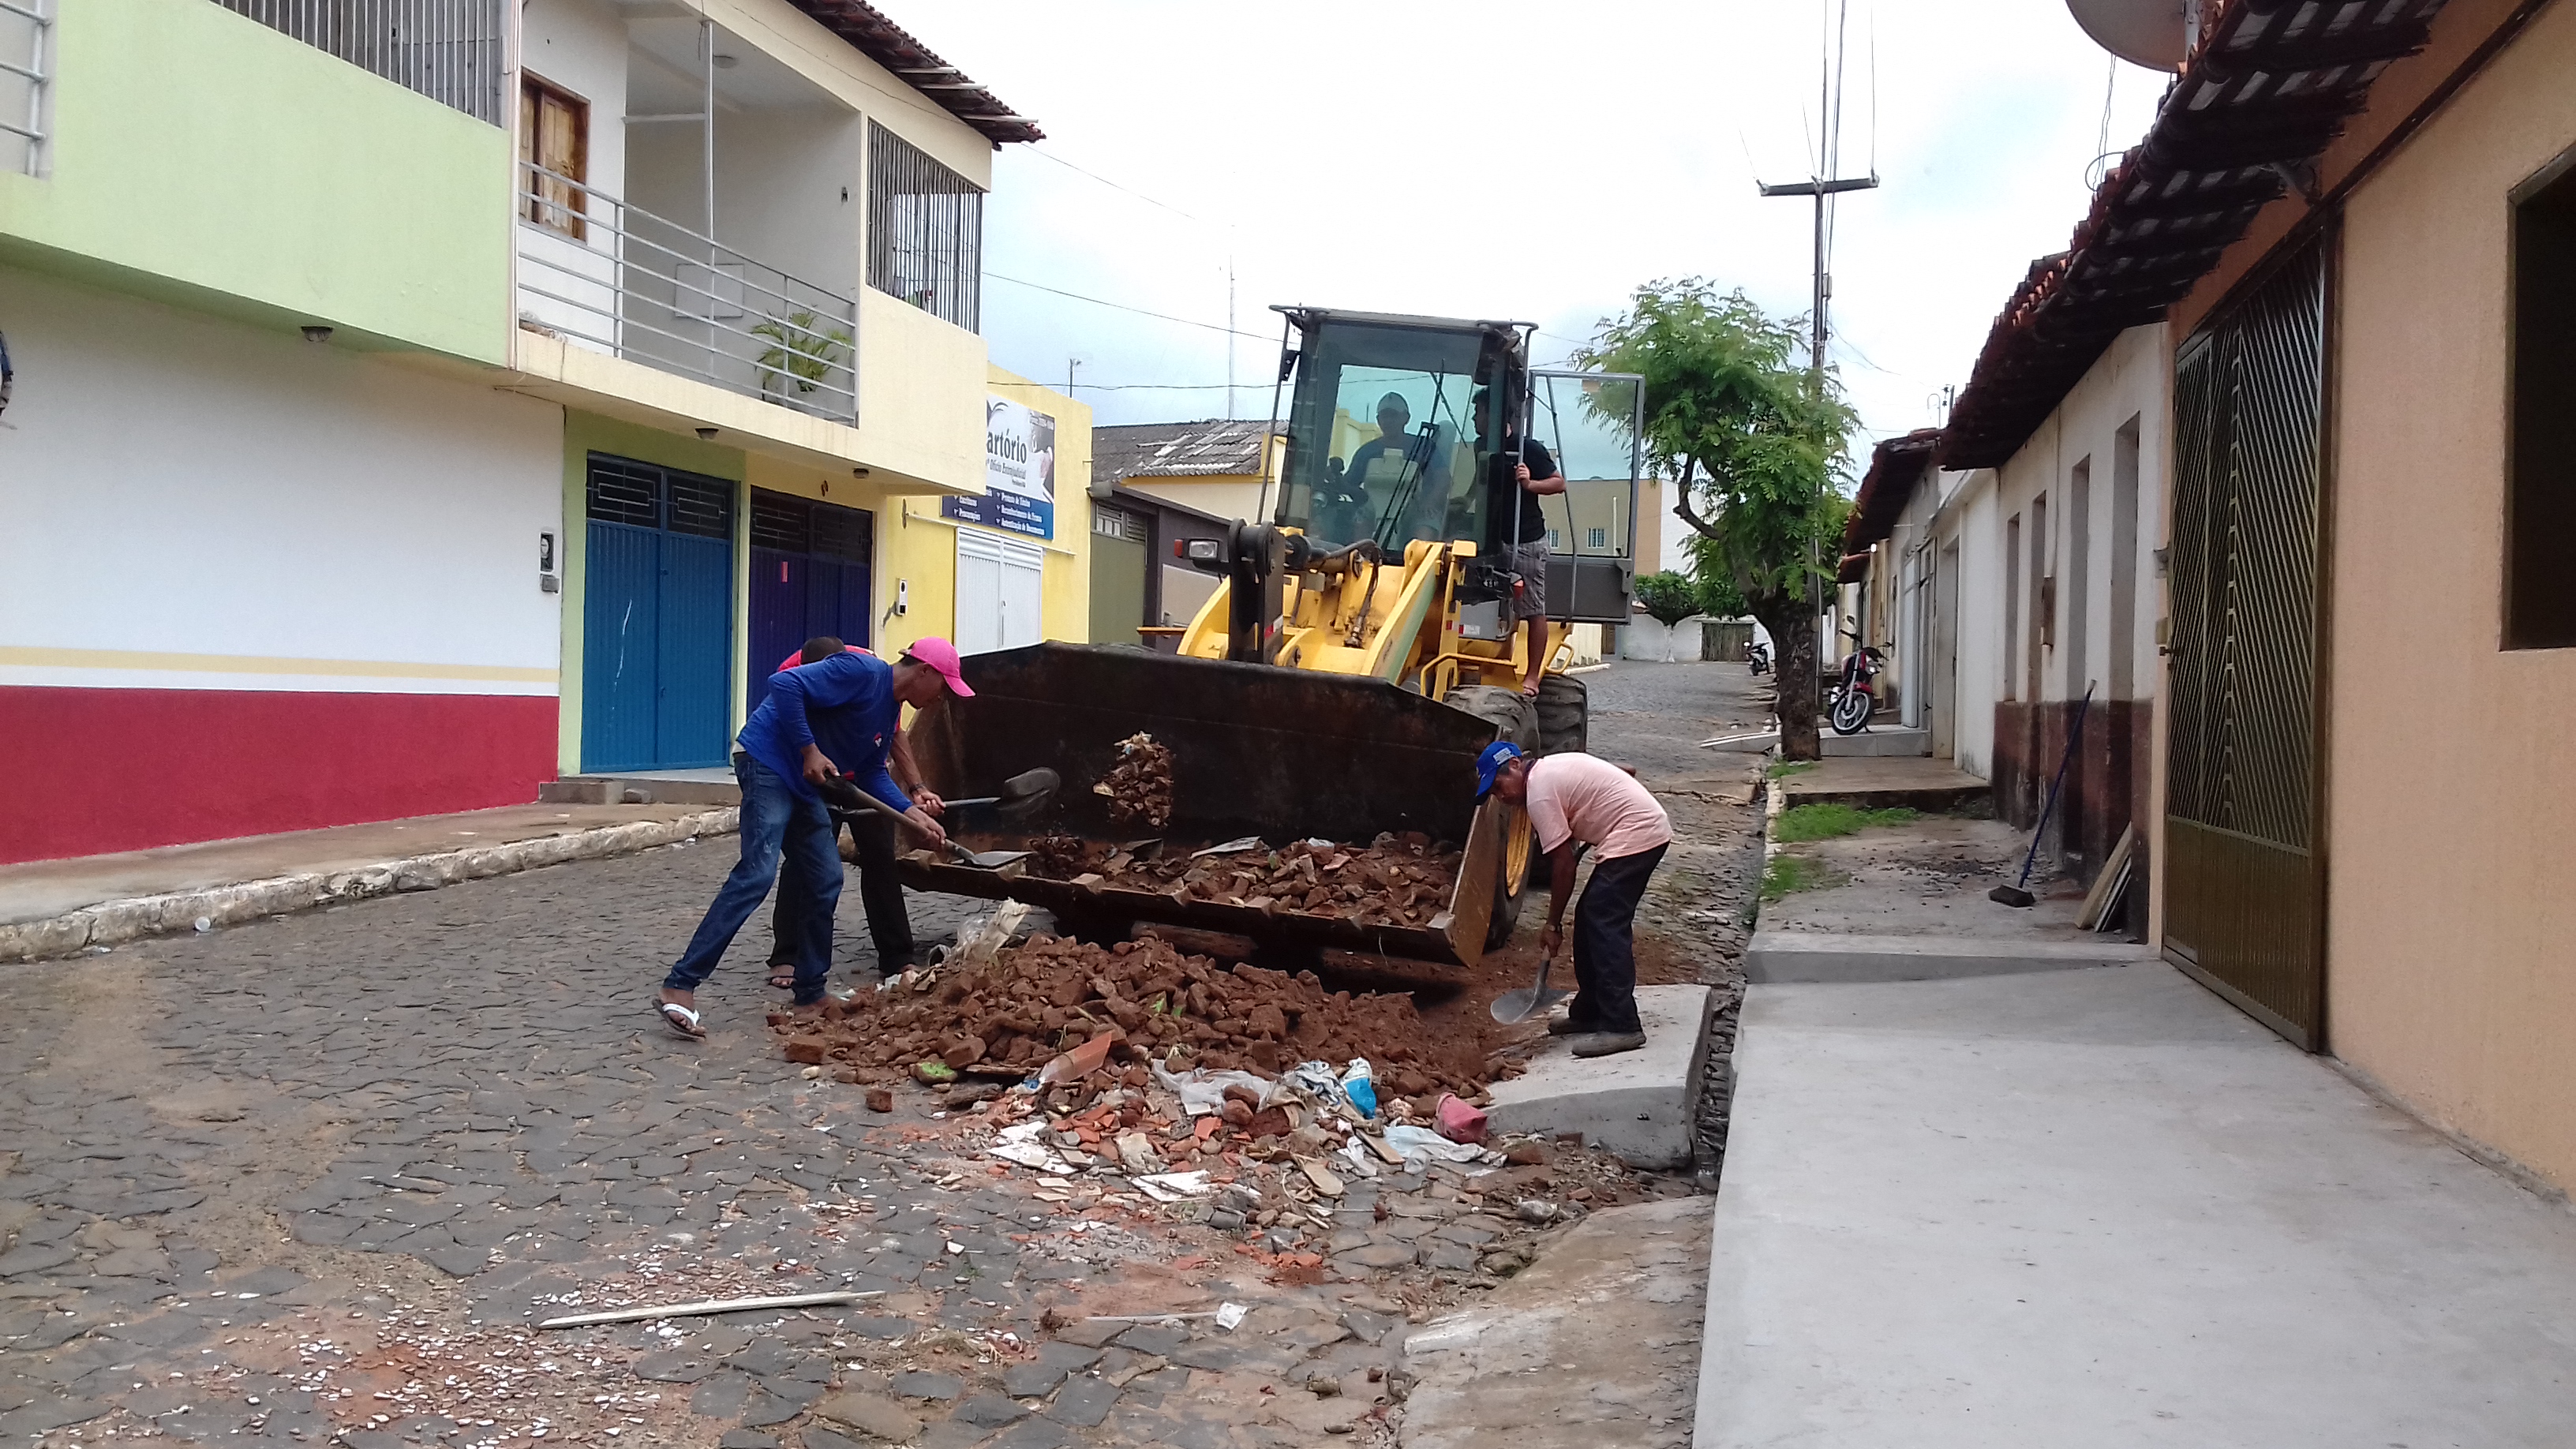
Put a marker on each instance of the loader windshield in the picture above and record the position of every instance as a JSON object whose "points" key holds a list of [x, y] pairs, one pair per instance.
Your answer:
{"points": [[1381, 435]]}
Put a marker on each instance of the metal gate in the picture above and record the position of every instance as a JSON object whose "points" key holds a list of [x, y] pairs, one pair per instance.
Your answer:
{"points": [[2242, 880], [657, 618], [809, 576]]}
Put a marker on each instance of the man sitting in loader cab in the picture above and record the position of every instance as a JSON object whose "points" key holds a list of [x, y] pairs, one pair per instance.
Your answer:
{"points": [[1395, 471]]}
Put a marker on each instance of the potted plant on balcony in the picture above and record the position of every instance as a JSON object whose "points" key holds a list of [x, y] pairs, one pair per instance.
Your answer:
{"points": [[805, 350]]}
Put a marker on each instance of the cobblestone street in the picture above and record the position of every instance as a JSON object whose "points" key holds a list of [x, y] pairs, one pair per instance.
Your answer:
{"points": [[320, 1177]]}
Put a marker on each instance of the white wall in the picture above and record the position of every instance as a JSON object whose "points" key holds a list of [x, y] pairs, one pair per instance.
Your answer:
{"points": [[2132, 380], [171, 484], [578, 46], [1970, 518]]}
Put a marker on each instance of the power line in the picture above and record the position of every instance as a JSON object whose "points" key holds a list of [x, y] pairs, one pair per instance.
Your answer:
{"points": [[1123, 307], [1114, 186]]}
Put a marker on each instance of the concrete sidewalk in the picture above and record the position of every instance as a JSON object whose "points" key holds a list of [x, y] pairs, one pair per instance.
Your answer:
{"points": [[61, 907], [2100, 1207]]}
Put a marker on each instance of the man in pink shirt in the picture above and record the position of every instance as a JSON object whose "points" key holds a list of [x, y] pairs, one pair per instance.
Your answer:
{"points": [[1574, 800]]}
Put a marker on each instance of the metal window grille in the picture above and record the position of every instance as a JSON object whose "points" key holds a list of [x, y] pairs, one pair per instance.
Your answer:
{"points": [[447, 50], [848, 533], [925, 231], [26, 33], [801, 525], [622, 490], [1118, 523], [702, 506], [784, 524]]}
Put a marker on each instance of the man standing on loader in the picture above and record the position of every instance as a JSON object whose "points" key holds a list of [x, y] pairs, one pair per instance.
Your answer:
{"points": [[1574, 799], [1517, 477]]}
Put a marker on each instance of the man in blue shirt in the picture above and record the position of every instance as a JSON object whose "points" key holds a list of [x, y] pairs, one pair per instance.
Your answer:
{"points": [[836, 717]]}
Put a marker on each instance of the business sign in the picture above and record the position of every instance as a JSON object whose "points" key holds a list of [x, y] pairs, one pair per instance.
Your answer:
{"points": [[1019, 473]]}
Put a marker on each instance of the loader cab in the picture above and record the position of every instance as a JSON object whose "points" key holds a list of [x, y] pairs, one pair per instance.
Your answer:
{"points": [[1385, 442], [1383, 438]]}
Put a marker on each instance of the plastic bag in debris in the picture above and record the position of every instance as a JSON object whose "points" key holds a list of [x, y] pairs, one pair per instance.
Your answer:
{"points": [[1203, 1091], [1420, 1145], [1318, 1081]]}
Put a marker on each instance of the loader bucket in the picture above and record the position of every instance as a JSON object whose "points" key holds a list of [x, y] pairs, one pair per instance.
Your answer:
{"points": [[1256, 750]]}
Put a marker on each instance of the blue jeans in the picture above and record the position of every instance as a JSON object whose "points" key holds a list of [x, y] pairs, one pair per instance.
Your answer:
{"points": [[775, 821]]}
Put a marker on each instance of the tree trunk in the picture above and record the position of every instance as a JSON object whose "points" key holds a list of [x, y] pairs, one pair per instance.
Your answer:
{"points": [[1792, 623]]}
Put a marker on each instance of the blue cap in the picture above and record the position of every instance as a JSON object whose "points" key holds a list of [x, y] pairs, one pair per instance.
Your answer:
{"points": [[1490, 763]]}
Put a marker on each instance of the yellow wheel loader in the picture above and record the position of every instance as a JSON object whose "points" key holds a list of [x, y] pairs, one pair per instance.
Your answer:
{"points": [[1362, 646]]}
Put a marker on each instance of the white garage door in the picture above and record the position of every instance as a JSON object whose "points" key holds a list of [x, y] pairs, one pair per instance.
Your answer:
{"points": [[1000, 591]]}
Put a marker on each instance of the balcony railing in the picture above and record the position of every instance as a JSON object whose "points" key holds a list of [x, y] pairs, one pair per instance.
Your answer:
{"points": [[616, 278], [447, 50], [25, 30]]}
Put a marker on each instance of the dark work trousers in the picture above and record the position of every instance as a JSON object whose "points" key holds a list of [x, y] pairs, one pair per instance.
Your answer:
{"points": [[1605, 943], [880, 892]]}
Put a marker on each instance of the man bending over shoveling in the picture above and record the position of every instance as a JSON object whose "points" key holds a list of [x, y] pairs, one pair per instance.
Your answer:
{"points": [[820, 721], [1574, 799]]}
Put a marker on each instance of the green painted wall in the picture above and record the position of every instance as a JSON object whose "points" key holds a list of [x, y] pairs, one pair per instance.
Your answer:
{"points": [[585, 434], [210, 161]]}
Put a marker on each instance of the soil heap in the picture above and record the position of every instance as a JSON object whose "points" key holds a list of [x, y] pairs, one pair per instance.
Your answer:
{"points": [[1395, 880], [1010, 1018], [1140, 787]]}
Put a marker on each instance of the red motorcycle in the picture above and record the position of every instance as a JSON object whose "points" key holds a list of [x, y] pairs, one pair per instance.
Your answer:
{"points": [[1852, 701]]}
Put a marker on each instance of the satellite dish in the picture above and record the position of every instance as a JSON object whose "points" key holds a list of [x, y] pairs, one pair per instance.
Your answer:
{"points": [[2156, 34]]}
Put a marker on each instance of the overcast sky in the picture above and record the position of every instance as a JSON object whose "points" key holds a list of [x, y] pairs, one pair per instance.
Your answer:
{"points": [[1502, 159]]}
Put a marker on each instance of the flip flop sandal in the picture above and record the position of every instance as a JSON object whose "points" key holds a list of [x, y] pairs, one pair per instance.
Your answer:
{"points": [[782, 978], [682, 1021]]}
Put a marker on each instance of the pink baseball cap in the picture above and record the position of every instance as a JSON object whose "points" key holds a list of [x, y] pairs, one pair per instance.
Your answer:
{"points": [[941, 655]]}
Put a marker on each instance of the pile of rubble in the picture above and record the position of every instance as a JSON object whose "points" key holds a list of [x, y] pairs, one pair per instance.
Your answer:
{"points": [[1394, 880], [1140, 787], [1140, 1000]]}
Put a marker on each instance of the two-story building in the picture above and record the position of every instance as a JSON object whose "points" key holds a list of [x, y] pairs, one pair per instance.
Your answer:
{"points": [[409, 410]]}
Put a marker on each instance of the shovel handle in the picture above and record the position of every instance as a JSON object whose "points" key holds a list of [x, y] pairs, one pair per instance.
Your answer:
{"points": [[843, 792]]}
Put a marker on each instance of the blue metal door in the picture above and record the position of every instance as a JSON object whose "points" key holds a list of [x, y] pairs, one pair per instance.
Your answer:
{"points": [[657, 626], [809, 577]]}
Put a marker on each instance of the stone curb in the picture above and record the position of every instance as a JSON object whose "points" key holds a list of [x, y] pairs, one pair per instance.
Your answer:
{"points": [[112, 922]]}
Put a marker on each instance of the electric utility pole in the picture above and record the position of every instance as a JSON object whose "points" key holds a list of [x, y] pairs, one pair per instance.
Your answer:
{"points": [[1824, 279]]}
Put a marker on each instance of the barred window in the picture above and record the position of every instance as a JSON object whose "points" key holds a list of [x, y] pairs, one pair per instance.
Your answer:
{"points": [[925, 231]]}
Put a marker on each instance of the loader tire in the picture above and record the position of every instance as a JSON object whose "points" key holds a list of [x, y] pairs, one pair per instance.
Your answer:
{"points": [[1511, 716], [1516, 722], [1564, 715]]}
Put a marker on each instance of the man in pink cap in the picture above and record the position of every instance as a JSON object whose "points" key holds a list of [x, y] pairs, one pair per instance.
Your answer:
{"points": [[836, 717], [873, 838]]}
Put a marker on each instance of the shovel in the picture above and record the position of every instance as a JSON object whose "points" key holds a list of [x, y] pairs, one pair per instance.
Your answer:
{"points": [[1516, 1006], [847, 795], [1025, 793]]}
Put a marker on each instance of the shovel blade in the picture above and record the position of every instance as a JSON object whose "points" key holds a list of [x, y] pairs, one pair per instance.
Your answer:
{"points": [[1521, 1005]]}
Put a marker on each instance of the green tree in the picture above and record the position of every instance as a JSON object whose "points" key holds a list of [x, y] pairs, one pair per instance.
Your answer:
{"points": [[1759, 445], [1670, 598]]}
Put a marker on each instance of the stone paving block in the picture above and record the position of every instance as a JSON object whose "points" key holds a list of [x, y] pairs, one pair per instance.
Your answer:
{"points": [[1156, 1339], [989, 1410], [1084, 1402], [1031, 1380], [875, 1416], [953, 1434], [747, 1439], [1031, 1434], [1090, 1334], [919, 1385]]}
